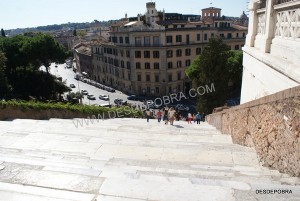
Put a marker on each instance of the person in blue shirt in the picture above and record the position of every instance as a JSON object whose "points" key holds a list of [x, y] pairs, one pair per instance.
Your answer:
{"points": [[198, 117]]}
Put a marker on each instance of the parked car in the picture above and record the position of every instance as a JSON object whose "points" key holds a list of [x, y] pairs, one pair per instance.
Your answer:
{"points": [[72, 86], [91, 97], [111, 89], [182, 107], [119, 101], [103, 97], [84, 92], [59, 78], [149, 102], [132, 97], [105, 105]]}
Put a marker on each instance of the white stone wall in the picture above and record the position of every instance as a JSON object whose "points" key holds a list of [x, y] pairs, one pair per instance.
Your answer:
{"points": [[260, 80], [272, 50]]}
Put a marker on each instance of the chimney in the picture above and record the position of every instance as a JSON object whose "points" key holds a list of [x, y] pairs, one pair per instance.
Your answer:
{"points": [[164, 16]]}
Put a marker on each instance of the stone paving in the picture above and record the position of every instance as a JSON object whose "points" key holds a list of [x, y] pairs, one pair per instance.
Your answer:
{"points": [[131, 160]]}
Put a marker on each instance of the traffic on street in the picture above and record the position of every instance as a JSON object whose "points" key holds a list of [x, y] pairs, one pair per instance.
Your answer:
{"points": [[98, 94]]}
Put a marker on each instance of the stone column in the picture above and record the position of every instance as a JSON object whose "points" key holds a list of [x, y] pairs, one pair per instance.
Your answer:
{"points": [[270, 26], [253, 20]]}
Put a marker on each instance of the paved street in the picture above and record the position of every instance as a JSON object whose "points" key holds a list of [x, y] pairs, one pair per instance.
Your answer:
{"points": [[68, 75], [130, 160]]}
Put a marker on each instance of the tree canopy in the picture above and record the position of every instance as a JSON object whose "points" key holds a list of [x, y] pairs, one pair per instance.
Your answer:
{"points": [[24, 57], [3, 33], [218, 65]]}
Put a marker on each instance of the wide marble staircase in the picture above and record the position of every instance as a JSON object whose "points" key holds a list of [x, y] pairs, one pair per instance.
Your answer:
{"points": [[131, 160]]}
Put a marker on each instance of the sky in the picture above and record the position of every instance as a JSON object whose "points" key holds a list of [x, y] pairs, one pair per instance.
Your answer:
{"points": [[33, 13]]}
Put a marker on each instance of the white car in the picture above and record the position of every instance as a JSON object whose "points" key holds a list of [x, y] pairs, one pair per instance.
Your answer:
{"points": [[84, 92], [104, 97], [91, 97], [149, 102]]}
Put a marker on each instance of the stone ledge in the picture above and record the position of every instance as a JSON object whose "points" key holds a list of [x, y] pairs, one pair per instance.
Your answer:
{"points": [[270, 124]]}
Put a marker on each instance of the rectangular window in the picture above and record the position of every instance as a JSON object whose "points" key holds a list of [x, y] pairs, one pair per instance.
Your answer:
{"points": [[169, 39], [128, 53], [244, 35], [212, 35], [178, 53], [198, 50], [222, 36], [205, 36], [179, 76], [147, 41], [179, 64], [148, 90], [170, 78], [115, 39], [128, 64], [187, 62], [157, 90], [122, 64], [170, 53], [170, 65], [187, 52], [229, 35], [155, 54], [138, 41], [178, 38], [127, 40], [147, 65], [139, 77], [187, 39], [236, 47], [156, 40], [121, 39], [148, 78], [138, 65], [198, 37], [156, 78], [129, 76], [146, 54], [137, 54], [156, 65], [237, 35]]}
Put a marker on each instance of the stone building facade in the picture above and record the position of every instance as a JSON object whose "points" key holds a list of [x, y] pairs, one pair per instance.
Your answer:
{"points": [[148, 55], [272, 50], [83, 59]]}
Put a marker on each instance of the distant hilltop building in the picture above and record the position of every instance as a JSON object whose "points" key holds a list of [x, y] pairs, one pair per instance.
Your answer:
{"points": [[272, 50], [148, 54]]}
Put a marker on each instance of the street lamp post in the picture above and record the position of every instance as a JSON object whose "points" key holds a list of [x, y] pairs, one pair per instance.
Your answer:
{"points": [[79, 92]]}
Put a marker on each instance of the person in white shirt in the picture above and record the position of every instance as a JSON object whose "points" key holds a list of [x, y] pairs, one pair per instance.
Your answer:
{"points": [[189, 117], [171, 115], [148, 114]]}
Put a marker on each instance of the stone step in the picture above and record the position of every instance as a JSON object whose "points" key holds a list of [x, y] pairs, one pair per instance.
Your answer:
{"points": [[128, 159], [17, 192]]}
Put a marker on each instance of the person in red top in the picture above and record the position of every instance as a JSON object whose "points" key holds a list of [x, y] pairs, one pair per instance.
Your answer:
{"points": [[158, 114]]}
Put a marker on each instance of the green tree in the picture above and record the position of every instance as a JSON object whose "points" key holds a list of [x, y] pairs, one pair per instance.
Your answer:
{"points": [[217, 65], [4, 86], [25, 55], [3, 33]]}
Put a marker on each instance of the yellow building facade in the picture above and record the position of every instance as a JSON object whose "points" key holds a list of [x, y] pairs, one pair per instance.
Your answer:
{"points": [[148, 55]]}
